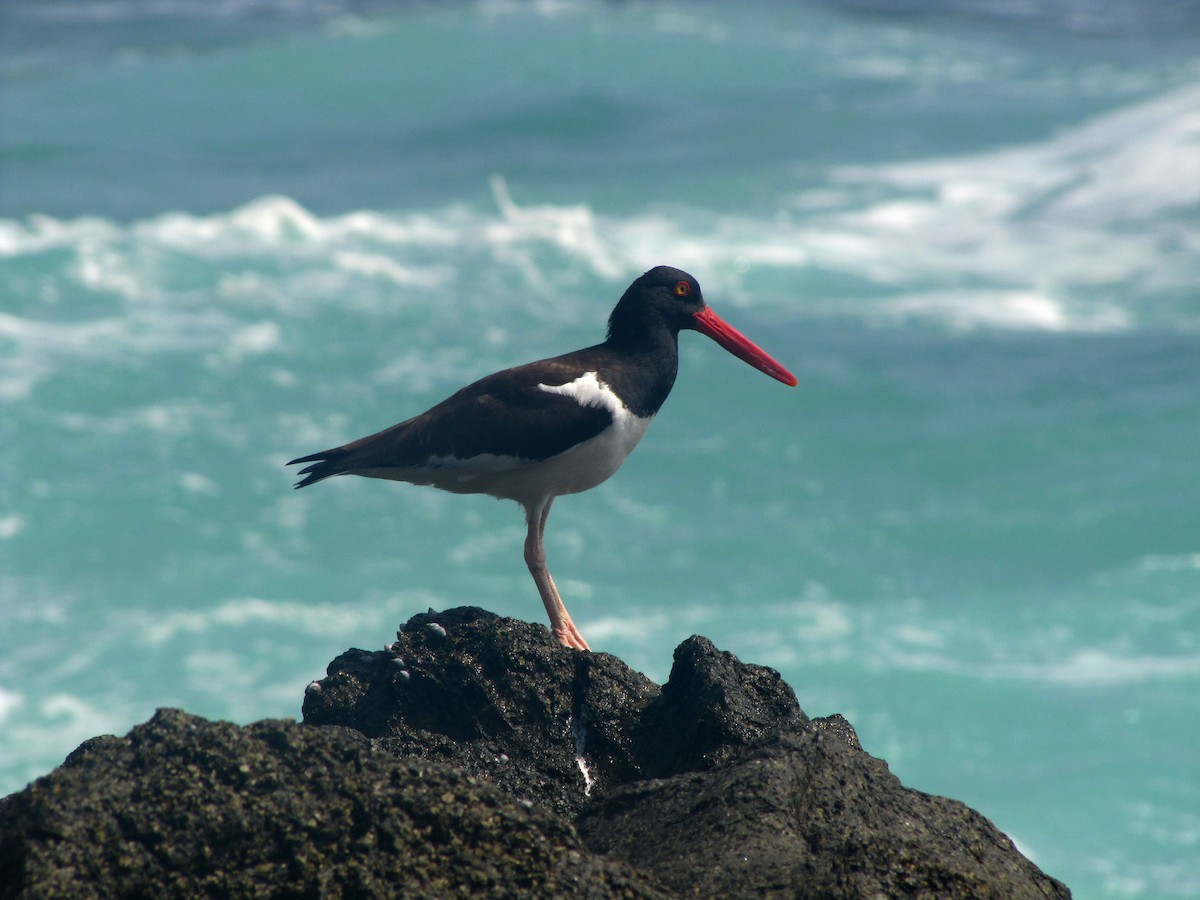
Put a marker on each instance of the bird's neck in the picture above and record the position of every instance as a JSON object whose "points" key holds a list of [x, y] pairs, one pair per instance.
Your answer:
{"points": [[650, 361]]}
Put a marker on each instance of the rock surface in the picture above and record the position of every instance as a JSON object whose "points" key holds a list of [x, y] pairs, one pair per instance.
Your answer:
{"points": [[476, 757]]}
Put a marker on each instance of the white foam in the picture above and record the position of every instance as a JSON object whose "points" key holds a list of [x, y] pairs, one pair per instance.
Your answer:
{"points": [[484, 545], [11, 526], [252, 340], [646, 629], [341, 620], [38, 233], [279, 224], [123, 288], [377, 265], [1075, 233], [572, 229], [1108, 206], [9, 701], [38, 348], [1169, 562], [1094, 667], [906, 637], [196, 483], [820, 620], [1025, 310], [1064, 235], [1123, 876]]}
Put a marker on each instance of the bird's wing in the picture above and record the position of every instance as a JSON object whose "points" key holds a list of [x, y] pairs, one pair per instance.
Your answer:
{"points": [[503, 421]]}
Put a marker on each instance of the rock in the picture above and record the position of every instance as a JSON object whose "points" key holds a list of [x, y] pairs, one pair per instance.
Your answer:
{"points": [[811, 816], [184, 807], [713, 709], [496, 698], [476, 756]]}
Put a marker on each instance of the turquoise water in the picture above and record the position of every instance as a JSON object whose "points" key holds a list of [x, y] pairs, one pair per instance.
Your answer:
{"points": [[231, 234]]}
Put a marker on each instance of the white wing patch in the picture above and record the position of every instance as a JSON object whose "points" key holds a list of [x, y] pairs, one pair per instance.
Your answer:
{"points": [[589, 390]]}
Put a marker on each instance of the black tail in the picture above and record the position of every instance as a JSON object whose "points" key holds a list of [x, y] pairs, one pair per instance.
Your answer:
{"points": [[324, 464]]}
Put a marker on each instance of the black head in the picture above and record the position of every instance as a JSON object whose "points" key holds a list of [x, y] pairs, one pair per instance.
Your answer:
{"points": [[664, 297], [663, 302]]}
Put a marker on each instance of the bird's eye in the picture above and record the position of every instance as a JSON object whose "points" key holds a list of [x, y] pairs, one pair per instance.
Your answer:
{"points": [[682, 288]]}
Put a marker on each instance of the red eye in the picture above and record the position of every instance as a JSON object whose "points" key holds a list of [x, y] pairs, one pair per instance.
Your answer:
{"points": [[682, 288]]}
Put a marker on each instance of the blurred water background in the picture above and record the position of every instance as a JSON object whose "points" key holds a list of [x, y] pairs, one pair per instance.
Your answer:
{"points": [[234, 232]]}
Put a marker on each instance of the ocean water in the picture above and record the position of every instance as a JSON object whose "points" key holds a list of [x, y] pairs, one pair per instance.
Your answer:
{"points": [[233, 233]]}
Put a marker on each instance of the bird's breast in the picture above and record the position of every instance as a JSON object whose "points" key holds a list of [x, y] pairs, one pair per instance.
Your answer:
{"points": [[592, 461]]}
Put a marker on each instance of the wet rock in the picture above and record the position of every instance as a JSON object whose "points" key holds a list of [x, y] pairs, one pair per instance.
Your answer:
{"points": [[475, 756]]}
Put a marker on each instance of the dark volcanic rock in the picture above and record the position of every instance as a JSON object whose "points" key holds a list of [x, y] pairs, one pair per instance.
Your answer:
{"points": [[184, 807], [712, 709], [812, 817], [470, 751], [495, 697]]}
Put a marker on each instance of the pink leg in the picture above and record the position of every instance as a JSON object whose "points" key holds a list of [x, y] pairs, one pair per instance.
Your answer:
{"points": [[535, 557]]}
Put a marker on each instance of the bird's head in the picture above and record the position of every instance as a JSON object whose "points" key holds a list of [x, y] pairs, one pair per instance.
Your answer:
{"points": [[670, 297]]}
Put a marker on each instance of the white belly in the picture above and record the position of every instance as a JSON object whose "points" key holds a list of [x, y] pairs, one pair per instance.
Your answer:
{"points": [[585, 465]]}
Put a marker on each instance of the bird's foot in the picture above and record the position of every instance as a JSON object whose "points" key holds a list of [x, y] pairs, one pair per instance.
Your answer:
{"points": [[568, 635]]}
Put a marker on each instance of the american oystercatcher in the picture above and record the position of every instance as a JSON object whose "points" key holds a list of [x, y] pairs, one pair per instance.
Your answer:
{"points": [[553, 427]]}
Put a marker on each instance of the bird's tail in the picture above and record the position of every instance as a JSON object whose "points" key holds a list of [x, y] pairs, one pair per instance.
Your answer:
{"points": [[324, 464]]}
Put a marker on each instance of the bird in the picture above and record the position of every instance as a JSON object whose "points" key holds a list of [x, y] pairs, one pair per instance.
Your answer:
{"points": [[557, 426]]}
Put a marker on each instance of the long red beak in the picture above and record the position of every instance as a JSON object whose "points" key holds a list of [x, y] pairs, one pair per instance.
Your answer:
{"points": [[709, 323]]}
